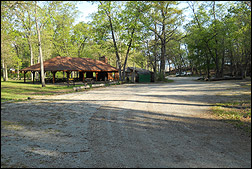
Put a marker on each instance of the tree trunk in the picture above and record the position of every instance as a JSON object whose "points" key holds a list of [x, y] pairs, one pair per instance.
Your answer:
{"points": [[231, 63], [2, 60], [81, 48], [155, 53], [118, 62], [31, 53], [222, 60], [162, 59], [217, 70], [40, 49], [129, 46], [18, 72], [163, 50], [5, 72], [245, 61], [217, 73], [116, 49], [16, 47], [208, 67]]}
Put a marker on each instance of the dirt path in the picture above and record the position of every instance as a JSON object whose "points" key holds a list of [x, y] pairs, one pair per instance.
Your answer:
{"points": [[131, 125]]}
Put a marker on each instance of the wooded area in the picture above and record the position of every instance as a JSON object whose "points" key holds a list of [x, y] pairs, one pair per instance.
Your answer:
{"points": [[141, 34]]}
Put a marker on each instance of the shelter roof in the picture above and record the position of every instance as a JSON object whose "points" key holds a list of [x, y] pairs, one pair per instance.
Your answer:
{"points": [[72, 64]]}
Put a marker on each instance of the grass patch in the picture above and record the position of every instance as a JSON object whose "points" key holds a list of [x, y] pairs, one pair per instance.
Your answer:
{"points": [[237, 113], [16, 90], [165, 81], [168, 81], [11, 125]]}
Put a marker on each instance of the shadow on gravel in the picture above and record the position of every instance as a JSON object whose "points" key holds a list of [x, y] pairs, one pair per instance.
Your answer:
{"points": [[134, 101], [78, 133], [51, 134]]}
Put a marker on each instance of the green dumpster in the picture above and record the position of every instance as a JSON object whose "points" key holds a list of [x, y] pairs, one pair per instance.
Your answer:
{"points": [[144, 78]]}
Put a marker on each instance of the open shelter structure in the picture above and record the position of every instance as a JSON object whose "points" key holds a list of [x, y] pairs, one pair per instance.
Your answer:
{"points": [[85, 67]]}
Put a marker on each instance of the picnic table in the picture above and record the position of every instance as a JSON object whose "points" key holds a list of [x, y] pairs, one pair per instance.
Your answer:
{"points": [[71, 80]]}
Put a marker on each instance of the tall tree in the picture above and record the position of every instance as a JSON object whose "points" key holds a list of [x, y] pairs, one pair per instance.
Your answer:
{"points": [[24, 15], [7, 51], [42, 73], [167, 18], [81, 35], [64, 14], [203, 33], [107, 9], [222, 36], [130, 19]]}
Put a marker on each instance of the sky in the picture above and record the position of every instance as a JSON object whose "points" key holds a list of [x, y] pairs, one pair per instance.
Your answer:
{"points": [[87, 8]]}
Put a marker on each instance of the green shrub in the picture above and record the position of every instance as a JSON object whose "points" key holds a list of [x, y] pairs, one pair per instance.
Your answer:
{"points": [[160, 76]]}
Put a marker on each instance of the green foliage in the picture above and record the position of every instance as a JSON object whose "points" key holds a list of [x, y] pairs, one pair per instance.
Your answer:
{"points": [[160, 77], [63, 20], [163, 18], [217, 35], [146, 34], [81, 34]]}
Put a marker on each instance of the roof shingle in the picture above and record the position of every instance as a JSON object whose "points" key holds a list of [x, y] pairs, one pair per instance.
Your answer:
{"points": [[72, 64]]}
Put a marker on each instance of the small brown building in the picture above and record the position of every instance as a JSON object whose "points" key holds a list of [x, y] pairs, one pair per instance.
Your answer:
{"points": [[139, 75], [84, 66]]}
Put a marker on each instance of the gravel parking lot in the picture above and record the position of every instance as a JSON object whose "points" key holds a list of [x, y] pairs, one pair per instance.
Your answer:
{"points": [[130, 125]]}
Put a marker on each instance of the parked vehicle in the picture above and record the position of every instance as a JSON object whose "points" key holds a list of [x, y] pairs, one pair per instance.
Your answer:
{"points": [[181, 74]]}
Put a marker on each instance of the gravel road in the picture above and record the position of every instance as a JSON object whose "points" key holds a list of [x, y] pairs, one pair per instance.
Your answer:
{"points": [[130, 125]]}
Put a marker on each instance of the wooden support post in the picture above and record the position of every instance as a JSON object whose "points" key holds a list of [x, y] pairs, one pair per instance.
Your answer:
{"points": [[96, 75], [54, 76], [83, 76], [67, 79], [33, 76], [24, 75], [40, 79]]}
